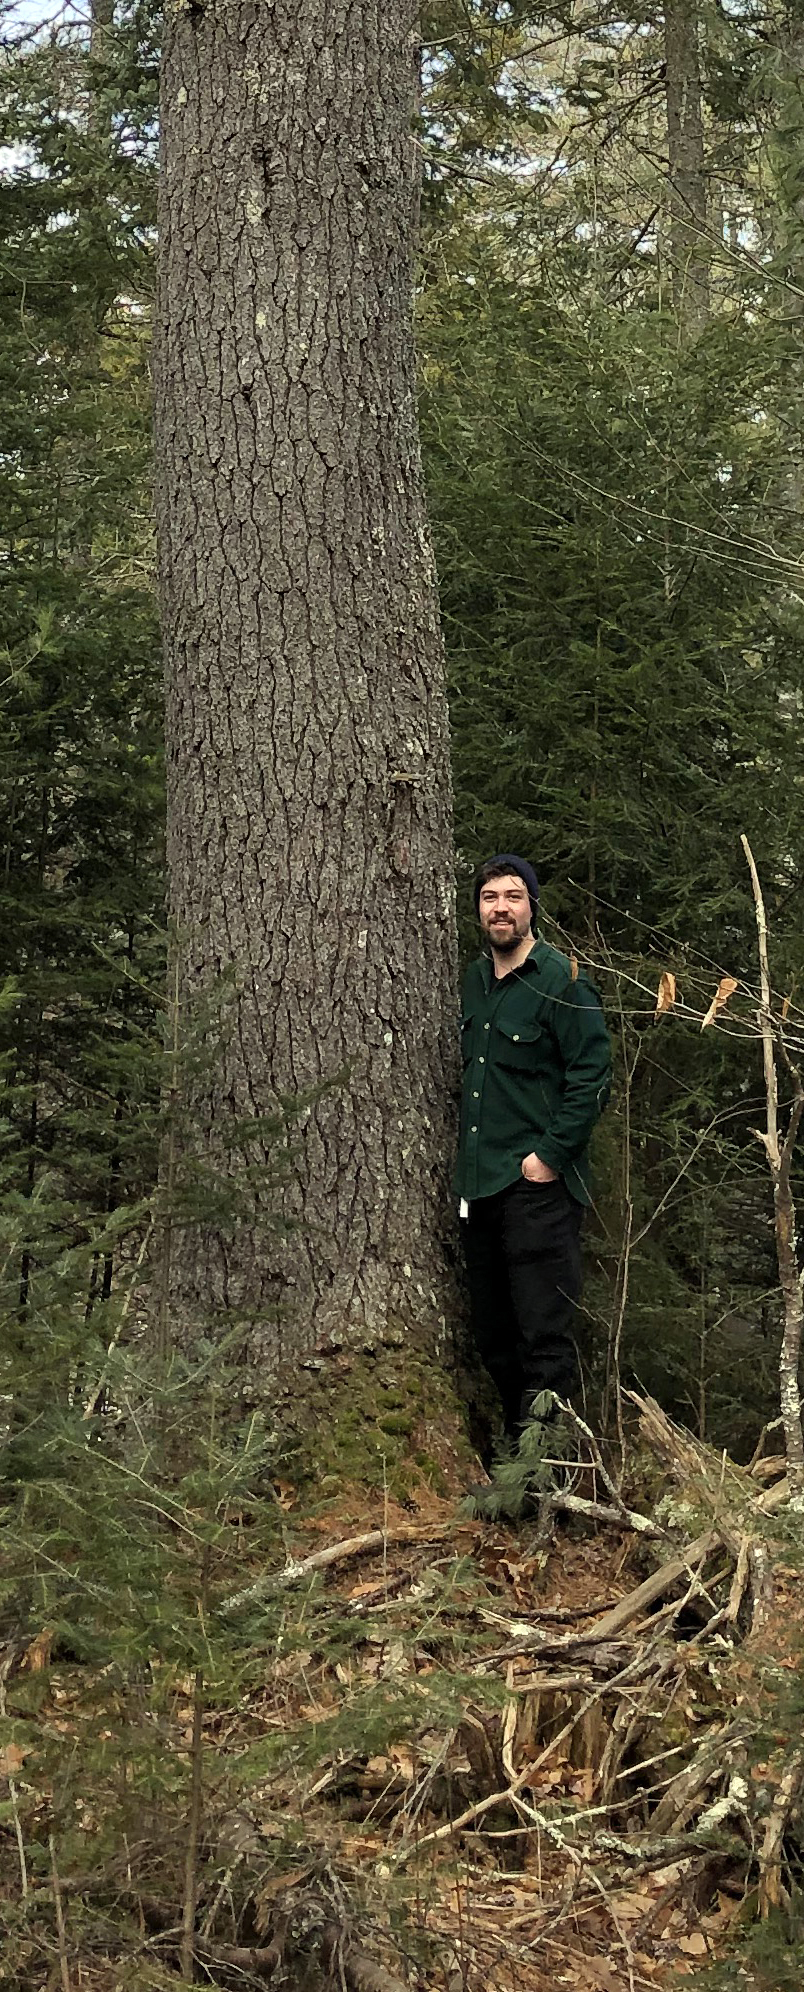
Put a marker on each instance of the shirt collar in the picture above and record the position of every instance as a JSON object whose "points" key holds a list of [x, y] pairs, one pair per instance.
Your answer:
{"points": [[530, 966]]}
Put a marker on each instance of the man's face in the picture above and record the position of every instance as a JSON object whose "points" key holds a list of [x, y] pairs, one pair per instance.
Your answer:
{"points": [[504, 909]]}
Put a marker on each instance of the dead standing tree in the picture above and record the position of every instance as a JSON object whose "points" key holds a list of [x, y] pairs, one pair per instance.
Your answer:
{"points": [[309, 817], [780, 1157]]}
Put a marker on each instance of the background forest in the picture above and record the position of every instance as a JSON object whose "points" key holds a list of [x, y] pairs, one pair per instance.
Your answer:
{"points": [[611, 281], [220, 1756]]}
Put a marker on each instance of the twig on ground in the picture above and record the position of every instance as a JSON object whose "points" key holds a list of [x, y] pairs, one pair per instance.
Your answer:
{"points": [[641, 1523], [733, 1804]]}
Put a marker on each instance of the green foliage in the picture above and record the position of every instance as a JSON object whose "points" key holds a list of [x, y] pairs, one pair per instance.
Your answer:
{"points": [[769, 1956], [615, 515], [80, 753], [524, 1471]]}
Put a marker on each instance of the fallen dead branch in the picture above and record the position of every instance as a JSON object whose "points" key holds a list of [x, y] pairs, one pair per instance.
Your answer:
{"points": [[618, 1517], [325, 1559], [656, 1586]]}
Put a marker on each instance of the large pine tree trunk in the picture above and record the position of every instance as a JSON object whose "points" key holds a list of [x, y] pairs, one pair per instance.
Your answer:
{"points": [[309, 823], [689, 207]]}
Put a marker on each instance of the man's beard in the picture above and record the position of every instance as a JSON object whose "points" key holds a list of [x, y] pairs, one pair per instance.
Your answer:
{"points": [[505, 936]]}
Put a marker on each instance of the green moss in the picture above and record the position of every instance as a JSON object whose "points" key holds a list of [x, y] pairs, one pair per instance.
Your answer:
{"points": [[397, 1424], [376, 1420]]}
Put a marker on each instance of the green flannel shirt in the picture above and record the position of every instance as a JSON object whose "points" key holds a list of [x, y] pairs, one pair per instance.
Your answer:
{"points": [[537, 1072]]}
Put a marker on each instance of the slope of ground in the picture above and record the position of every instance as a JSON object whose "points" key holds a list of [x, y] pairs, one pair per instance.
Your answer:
{"points": [[456, 1756]]}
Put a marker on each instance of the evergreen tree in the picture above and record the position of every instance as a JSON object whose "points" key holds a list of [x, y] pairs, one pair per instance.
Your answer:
{"points": [[80, 759], [308, 796]]}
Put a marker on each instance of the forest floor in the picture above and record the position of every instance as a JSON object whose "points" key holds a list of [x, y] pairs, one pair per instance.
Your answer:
{"points": [[566, 1753]]}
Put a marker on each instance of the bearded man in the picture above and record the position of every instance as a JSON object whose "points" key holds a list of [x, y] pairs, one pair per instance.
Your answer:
{"points": [[537, 1075]]}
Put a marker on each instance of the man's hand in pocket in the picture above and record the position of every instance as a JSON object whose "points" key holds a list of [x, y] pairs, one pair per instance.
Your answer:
{"points": [[536, 1171]]}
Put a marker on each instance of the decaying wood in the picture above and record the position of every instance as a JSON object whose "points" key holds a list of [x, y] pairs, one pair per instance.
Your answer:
{"points": [[761, 1585], [775, 1497], [772, 1468], [585, 1648], [676, 1805], [526, 1776]]}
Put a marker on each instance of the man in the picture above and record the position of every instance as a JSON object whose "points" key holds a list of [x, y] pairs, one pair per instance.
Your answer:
{"points": [[537, 1074]]}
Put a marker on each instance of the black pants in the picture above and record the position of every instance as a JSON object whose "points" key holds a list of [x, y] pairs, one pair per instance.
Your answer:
{"points": [[523, 1258]]}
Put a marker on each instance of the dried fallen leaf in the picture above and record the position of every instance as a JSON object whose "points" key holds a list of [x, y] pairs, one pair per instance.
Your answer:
{"points": [[725, 989], [695, 1945], [632, 1907], [666, 994], [594, 1971], [12, 1758], [574, 967]]}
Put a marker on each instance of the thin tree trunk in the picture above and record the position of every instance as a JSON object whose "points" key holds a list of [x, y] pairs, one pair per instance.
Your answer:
{"points": [[780, 1160], [193, 1830], [689, 235], [309, 819]]}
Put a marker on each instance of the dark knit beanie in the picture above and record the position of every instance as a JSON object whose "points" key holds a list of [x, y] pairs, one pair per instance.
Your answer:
{"points": [[508, 863]]}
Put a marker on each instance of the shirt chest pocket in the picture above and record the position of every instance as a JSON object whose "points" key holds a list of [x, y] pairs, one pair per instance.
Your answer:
{"points": [[520, 1047], [467, 1038]]}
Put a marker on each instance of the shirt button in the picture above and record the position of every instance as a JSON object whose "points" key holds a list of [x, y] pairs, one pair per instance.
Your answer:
{"points": [[473, 1130], [516, 1037], [475, 1096], [481, 1061], [487, 1027]]}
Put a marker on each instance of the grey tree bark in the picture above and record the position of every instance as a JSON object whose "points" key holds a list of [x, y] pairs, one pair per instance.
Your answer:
{"points": [[309, 802], [689, 216]]}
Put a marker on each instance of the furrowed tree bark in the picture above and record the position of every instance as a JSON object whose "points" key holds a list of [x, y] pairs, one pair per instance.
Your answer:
{"points": [[309, 803], [689, 239]]}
